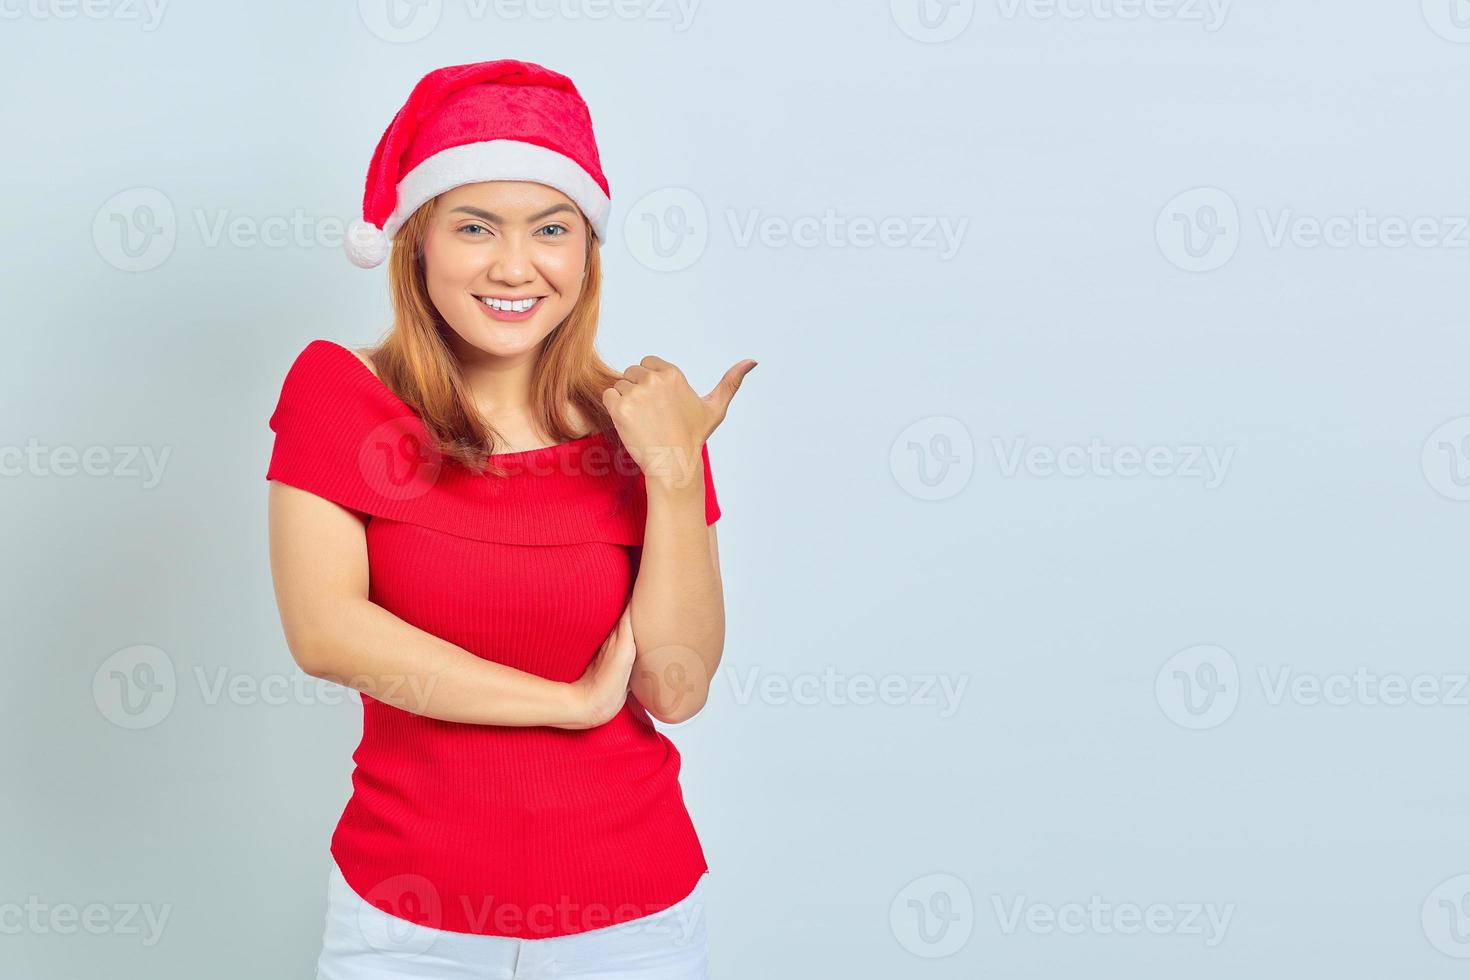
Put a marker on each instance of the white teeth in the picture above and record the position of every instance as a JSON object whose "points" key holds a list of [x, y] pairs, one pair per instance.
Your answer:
{"points": [[512, 306]]}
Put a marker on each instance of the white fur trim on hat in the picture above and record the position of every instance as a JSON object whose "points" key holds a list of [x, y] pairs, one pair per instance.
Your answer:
{"points": [[471, 163]]}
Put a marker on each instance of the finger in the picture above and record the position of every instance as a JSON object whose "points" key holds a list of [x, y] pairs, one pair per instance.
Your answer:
{"points": [[722, 392], [610, 397], [637, 373], [624, 386], [655, 363]]}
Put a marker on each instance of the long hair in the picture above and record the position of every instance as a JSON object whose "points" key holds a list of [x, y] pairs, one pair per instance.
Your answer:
{"points": [[415, 361]]}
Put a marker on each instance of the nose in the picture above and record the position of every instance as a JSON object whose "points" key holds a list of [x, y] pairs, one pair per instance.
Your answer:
{"points": [[510, 262]]}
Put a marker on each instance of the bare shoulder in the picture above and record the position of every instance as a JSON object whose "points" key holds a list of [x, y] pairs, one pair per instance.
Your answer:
{"points": [[365, 359]]}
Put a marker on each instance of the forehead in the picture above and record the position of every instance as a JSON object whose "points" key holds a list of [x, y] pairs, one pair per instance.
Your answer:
{"points": [[508, 197]]}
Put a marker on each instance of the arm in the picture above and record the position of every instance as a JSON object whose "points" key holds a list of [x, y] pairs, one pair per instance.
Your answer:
{"points": [[318, 554], [678, 605]]}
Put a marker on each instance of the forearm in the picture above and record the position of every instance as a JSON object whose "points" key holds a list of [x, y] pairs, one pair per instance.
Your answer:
{"points": [[361, 645], [678, 609]]}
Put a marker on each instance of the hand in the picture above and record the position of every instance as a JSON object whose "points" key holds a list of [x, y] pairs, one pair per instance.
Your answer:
{"points": [[663, 422], [602, 690]]}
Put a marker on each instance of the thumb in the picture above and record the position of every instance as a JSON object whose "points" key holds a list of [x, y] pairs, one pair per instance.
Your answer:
{"points": [[721, 393]]}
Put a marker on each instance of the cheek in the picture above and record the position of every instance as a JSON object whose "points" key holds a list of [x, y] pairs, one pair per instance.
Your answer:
{"points": [[448, 270], [565, 272]]}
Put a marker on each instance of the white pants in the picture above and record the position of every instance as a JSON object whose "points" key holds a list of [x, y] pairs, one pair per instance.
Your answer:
{"points": [[362, 942]]}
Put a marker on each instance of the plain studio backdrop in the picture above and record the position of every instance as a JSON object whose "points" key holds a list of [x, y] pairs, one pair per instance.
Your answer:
{"points": [[1094, 525]]}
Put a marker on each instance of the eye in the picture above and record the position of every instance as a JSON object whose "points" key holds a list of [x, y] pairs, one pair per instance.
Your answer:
{"points": [[555, 225], [474, 225]]}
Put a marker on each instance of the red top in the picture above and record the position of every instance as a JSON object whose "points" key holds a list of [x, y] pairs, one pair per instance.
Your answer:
{"points": [[529, 832]]}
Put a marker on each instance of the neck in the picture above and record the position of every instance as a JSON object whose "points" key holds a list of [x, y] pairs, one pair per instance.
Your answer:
{"points": [[500, 386]]}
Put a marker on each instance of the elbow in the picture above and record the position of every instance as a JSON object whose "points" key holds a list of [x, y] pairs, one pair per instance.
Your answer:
{"points": [[310, 653], [309, 658], [676, 711]]}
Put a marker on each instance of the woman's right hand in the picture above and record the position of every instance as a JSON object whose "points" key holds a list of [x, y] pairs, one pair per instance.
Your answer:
{"points": [[602, 690]]}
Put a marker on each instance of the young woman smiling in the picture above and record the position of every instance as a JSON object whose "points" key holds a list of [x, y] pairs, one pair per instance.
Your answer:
{"points": [[509, 548]]}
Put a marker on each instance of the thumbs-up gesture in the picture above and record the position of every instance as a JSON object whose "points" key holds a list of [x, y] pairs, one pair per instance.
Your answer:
{"points": [[663, 422]]}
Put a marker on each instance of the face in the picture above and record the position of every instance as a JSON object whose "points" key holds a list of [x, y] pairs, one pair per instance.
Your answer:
{"points": [[506, 240]]}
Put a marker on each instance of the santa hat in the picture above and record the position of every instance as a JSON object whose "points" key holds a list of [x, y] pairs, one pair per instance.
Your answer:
{"points": [[492, 120]]}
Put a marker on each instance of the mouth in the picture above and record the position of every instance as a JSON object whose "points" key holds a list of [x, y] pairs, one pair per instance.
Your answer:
{"points": [[509, 307]]}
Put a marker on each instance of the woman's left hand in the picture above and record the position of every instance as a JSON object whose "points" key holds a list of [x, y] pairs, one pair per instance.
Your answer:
{"points": [[664, 422]]}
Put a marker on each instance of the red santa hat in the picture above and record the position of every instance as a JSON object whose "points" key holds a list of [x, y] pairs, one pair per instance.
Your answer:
{"points": [[492, 120]]}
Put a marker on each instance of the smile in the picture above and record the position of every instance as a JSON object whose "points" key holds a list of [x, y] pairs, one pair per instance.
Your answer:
{"points": [[509, 308]]}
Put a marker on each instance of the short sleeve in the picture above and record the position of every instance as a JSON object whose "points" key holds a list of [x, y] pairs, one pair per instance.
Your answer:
{"points": [[711, 502], [334, 439]]}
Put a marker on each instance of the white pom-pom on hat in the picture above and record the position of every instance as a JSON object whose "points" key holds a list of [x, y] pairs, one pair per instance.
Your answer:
{"points": [[366, 245]]}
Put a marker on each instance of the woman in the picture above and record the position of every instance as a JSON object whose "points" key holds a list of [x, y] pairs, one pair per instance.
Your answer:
{"points": [[509, 549]]}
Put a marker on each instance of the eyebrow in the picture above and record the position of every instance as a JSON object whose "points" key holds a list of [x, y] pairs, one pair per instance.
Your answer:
{"points": [[492, 216]]}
